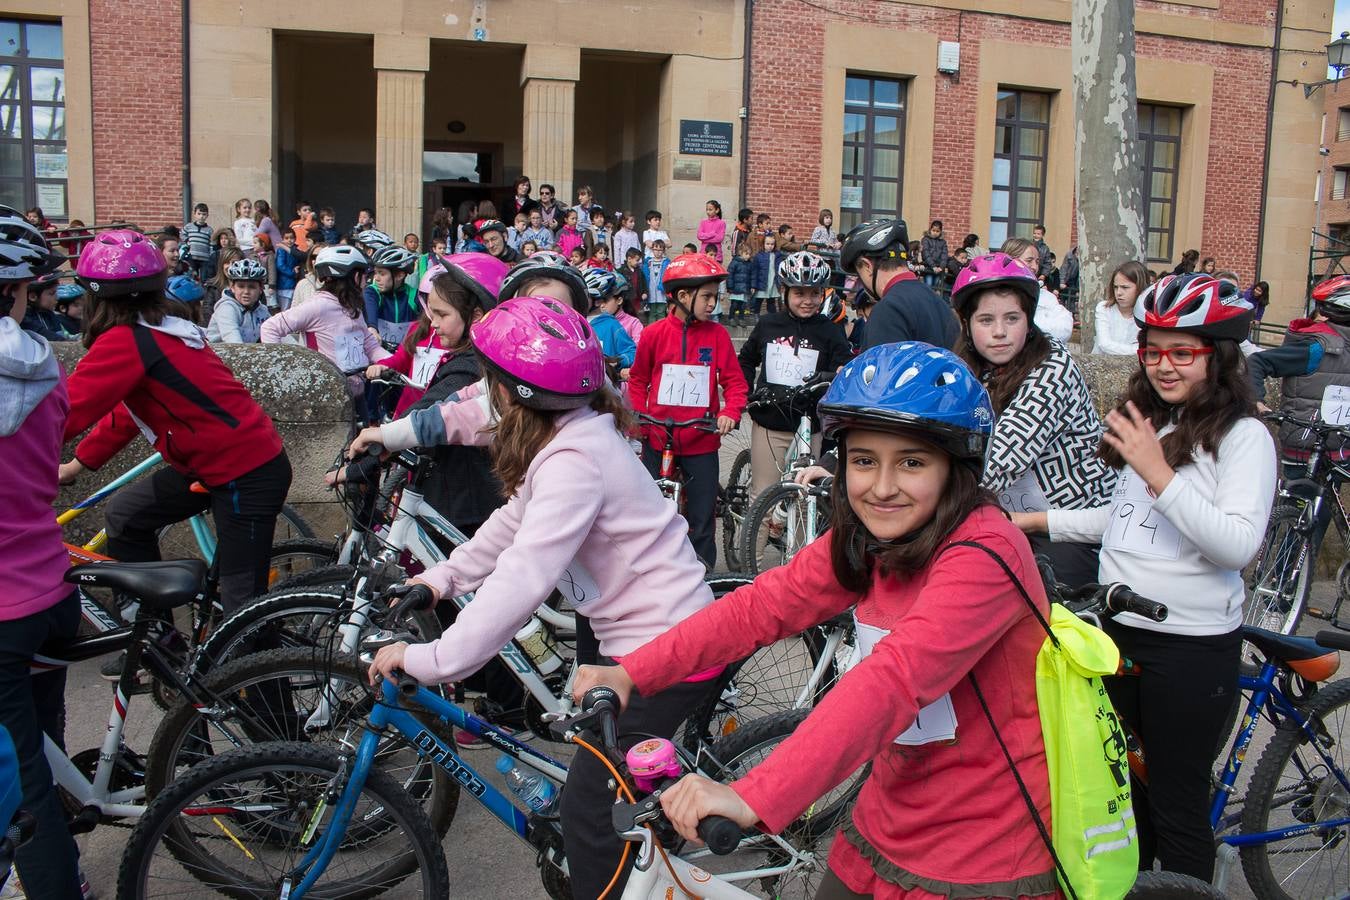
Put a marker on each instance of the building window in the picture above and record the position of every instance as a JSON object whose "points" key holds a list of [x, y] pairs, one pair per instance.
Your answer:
{"points": [[1160, 155], [874, 140], [1343, 124], [1339, 178], [1021, 142], [33, 117]]}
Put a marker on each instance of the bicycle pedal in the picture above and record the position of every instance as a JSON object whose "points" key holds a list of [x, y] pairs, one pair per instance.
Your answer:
{"points": [[84, 821], [1318, 612]]}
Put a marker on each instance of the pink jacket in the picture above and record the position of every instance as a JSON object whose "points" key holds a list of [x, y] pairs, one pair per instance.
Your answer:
{"points": [[326, 325], [586, 499], [631, 324], [949, 811], [711, 233]]}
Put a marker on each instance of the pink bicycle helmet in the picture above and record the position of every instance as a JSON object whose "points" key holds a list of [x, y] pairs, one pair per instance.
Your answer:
{"points": [[543, 351], [429, 276], [120, 262], [992, 269], [481, 274]]}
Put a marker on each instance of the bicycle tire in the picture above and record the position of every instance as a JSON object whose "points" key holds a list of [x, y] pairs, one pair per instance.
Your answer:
{"points": [[745, 749], [735, 500], [1298, 799], [314, 770], [1172, 886], [189, 732], [294, 522], [294, 561], [793, 538], [312, 612], [1281, 578]]}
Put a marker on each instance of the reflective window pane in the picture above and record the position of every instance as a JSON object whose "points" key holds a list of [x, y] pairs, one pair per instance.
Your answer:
{"points": [[1167, 120], [1030, 173], [44, 40], [1164, 154], [856, 90], [1002, 139], [1002, 172], [1031, 141], [886, 94], [849, 220], [855, 127], [1159, 214], [998, 233], [885, 163], [49, 161], [49, 123], [886, 130], [11, 84], [998, 206], [9, 39], [1162, 185], [11, 120], [11, 159], [1007, 105], [852, 161], [1035, 107], [1029, 206], [851, 194], [49, 85], [885, 197]]}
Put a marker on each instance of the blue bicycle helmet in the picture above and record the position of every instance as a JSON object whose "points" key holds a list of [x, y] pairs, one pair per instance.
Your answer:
{"points": [[68, 292], [184, 289], [600, 284], [915, 387]]}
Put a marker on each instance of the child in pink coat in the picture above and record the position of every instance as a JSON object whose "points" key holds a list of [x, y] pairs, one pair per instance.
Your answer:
{"points": [[712, 231]]}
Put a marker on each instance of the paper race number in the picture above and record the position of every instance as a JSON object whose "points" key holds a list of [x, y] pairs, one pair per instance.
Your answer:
{"points": [[1024, 495], [1336, 405], [350, 351], [425, 363], [935, 722], [1134, 526], [393, 332], [784, 366], [684, 386]]}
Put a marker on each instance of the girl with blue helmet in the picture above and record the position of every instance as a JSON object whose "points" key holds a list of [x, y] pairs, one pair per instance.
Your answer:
{"points": [[942, 587]]}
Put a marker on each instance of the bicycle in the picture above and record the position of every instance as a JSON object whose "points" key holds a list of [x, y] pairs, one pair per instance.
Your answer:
{"points": [[1282, 575], [1290, 821], [293, 838]]}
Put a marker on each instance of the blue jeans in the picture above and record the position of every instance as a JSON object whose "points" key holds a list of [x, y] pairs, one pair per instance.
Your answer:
{"points": [[30, 706]]}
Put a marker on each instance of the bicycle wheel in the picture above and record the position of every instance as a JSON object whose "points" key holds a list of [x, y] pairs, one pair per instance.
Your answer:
{"points": [[809, 834], [735, 500], [784, 503], [295, 562], [294, 695], [1282, 575], [238, 825], [1295, 787], [302, 617], [1172, 886]]}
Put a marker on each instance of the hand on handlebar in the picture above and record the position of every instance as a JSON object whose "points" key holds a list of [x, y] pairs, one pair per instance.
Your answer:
{"points": [[810, 474], [388, 660], [613, 677], [694, 798], [365, 439], [725, 424], [375, 370], [68, 472]]}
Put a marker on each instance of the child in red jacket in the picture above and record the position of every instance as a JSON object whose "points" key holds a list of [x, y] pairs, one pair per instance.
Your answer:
{"points": [[681, 361]]}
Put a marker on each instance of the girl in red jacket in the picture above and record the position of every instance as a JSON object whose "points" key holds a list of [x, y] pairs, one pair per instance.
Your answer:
{"points": [[941, 812], [148, 370]]}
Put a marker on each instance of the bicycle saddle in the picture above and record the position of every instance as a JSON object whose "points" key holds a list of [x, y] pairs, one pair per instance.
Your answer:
{"points": [[1303, 656], [158, 585]]}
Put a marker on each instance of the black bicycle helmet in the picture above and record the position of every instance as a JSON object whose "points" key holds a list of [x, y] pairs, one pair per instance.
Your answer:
{"points": [[882, 239]]}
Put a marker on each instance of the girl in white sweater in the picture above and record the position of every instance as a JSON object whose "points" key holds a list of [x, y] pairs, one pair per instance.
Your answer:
{"points": [[1197, 475], [1116, 331]]}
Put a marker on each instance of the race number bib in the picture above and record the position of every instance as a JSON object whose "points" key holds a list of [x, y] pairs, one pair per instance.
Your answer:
{"points": [[684, 386], [425, 363], [577, 585], [1336, 405], [393, 332], [1134, 526], [788, 368], [1024, 495], [935, 722], [349, 351]]}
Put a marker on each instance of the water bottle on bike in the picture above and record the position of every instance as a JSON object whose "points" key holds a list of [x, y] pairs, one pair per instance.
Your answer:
{"points": [[535, 791]]}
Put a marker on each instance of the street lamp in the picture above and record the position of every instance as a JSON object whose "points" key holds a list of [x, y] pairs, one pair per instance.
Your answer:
{"points": [[1338, 58]]}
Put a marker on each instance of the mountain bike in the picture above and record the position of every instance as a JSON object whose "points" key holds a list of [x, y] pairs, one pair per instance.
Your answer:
{"points": [[1292, 832], [786, 516], [278, 819], [1282, 576]]}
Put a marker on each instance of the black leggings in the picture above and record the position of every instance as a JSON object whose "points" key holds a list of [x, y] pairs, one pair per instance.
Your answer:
{"points": [[1178, 707], [700, 498], [245, 512]]}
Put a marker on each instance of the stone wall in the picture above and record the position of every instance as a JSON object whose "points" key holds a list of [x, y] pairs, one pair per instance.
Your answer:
{"points": [[305, 396]]}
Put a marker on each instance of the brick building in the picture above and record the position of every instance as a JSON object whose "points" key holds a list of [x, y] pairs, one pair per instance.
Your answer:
{"points": [[953, 109]]}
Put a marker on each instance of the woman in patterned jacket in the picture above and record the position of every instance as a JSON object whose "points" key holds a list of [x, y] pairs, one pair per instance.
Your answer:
{"points": [[1043, 452]]}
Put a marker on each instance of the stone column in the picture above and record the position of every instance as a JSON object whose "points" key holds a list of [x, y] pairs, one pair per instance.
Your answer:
{"points": [[401, 64], [549, 76]]}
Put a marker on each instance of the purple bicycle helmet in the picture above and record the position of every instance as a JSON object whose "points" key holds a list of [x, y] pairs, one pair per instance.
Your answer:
{"points": [[990, 270], [481, 274], [120, 262], [544, 352]]}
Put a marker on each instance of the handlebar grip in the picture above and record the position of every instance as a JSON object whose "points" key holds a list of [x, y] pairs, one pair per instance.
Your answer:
{"points": [[1337, 640], [375, 449], [1119, 598], [720, 834], [407, 685], [406, 598]]}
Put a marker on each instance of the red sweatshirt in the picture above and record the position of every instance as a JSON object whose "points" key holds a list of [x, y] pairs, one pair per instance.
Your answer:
{"points": [[205, 423], [706, 359], [949, 811]]}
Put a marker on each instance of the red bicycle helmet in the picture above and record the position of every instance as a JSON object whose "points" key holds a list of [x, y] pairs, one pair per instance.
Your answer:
{"points": [[1333, 299], [1196, 304], [689, 270]]}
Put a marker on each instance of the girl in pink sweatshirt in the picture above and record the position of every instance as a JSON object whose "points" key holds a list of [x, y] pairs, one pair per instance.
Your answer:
{"points": [[580, 501], [712, 231], [941, 812]]}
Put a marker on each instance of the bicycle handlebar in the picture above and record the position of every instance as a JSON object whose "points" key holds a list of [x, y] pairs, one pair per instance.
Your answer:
{"points": [[1321, 428], [706, 423], [720, 834], [816, 385]]}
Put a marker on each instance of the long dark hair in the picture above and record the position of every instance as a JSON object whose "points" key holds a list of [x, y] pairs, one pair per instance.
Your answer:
{"points": [[1213, 407], [460, 300], [1003, 381], [1135, 272], [348, 295], [854, 552], [102, 314]]}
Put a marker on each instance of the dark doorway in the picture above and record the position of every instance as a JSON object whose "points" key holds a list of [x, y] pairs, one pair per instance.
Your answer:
{"points": [[456, 172]]}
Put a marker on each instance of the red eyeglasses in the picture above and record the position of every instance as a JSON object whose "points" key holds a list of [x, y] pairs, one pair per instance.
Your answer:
{"points": [[1177, 356]]}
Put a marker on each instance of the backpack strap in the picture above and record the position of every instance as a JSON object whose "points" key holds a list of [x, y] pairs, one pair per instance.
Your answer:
{"points": [[1041, 828]]}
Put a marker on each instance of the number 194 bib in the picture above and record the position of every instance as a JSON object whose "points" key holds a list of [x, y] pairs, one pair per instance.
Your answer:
{"points": [[1135, 526]]}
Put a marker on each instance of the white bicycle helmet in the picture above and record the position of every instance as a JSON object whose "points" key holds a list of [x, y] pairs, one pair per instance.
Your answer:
{"points": [[393, 257], [24, 253], [246, 270], [373, 239], [339, 261], [804, 269]]}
